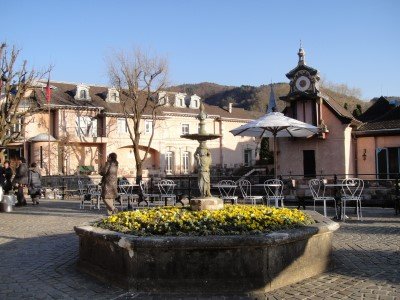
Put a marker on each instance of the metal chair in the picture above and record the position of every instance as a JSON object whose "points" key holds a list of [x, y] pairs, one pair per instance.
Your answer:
{"points": [[317, 192], [166, 188], [352, 189], [95, 192], [123, 195], [227, 190], [245, 188], [85, 197], [273, 189], [149, 198]]}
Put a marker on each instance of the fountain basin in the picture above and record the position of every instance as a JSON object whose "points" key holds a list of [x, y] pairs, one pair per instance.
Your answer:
{"points": [[207, 264]]}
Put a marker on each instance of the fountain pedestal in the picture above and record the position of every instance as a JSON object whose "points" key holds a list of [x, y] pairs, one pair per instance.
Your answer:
{"points": [[203, 158], [209, 203]]}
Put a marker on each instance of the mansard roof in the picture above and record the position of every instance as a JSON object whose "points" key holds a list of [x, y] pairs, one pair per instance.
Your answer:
{"points": [[62, 96]]}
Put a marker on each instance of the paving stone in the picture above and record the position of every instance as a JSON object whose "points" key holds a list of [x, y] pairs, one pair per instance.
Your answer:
{"points": [[39, 250]]}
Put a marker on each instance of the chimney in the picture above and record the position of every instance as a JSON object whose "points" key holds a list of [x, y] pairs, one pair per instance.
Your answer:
{"points": [[230, 108]]}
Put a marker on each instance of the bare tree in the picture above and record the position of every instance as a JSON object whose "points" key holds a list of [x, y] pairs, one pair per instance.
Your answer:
{"points": [[15, 102], [140, 79]]}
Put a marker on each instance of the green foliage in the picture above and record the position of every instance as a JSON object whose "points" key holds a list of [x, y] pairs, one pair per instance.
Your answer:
{"points": [[266, 156], [346, 106], [358, 111]]}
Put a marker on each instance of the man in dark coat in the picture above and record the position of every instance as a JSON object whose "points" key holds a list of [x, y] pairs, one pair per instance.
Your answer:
{"points": [[7, 173], [21, 180]]}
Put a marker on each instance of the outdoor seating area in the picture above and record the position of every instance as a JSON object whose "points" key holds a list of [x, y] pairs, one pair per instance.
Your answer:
{"points": [[346, 195]]}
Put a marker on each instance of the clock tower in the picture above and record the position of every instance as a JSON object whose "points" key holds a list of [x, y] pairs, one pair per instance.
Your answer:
{"points": [[303, 98]]}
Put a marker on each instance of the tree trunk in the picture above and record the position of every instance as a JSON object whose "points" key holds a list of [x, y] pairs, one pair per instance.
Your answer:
{"points": [[139, 172]]}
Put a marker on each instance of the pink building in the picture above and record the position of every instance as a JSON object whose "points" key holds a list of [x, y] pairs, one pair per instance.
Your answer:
{"points": [[333, 150]]}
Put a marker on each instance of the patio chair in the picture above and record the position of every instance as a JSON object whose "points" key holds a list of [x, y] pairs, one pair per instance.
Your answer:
{"points": [[123, 195], [166, 188], [317, 192], [150, 199], [352, 189], [273, 189], [227, 190], [95, 192], [85, 197], [245, 188]]}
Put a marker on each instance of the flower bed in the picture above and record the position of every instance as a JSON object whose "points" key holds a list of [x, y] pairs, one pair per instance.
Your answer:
{"points": [[232, 220]]}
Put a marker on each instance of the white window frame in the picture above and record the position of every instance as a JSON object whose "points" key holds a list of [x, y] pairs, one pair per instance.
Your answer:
{"points": [[122, 126], [148, 126], [169, 162], [184, 126], [186, 162], [86, 126]]}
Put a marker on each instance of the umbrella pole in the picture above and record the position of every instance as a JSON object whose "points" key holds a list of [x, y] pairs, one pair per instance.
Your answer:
{"points": [[275, 157]]}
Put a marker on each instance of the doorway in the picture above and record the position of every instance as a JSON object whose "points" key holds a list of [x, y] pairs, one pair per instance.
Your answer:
{"points": [[309, 163]]}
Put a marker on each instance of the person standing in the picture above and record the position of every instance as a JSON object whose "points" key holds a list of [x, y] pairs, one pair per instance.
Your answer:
{"points": [[21, 180], [6, 176], [109, 186], [34, 184]]}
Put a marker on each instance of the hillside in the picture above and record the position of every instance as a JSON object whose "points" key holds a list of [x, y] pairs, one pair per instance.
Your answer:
{"points": [[255, 98]]}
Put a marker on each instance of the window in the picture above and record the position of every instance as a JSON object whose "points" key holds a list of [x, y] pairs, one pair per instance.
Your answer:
{"points": [[185, 128], [86, 126], [114, 97], [148, 126], [196, 103], [247, 157], [82, 94], [387, 162], [181, 102], [122, 126], [169, 160], [185, 162]]}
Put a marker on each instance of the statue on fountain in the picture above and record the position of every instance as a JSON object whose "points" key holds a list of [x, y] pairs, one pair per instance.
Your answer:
{"points": [[203, 158]]}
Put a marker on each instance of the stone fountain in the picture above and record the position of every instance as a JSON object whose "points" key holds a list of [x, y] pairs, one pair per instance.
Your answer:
{"points": [[203, 159]]}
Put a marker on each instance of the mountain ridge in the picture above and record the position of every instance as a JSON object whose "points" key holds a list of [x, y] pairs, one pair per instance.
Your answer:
{"points": [[256, 98]]}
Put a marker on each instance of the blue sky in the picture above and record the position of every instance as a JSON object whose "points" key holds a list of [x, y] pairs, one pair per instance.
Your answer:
{"points": [[228, 42]]}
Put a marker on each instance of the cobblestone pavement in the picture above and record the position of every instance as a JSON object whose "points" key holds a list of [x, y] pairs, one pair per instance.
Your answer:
{"points": [[39, 250]]}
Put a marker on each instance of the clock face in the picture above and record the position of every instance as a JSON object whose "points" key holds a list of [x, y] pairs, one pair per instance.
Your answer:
{"points": [[303, 83]]}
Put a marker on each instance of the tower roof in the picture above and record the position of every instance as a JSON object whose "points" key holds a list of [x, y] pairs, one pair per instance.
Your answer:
{"points": [[272, 101]]}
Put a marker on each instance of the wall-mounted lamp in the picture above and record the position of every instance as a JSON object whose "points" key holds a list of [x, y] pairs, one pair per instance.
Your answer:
{"points": [[364, 156]]}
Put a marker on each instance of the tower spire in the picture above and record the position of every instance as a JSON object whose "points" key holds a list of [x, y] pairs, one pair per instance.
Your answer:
{"points": [[272, 102], [301, 55]]}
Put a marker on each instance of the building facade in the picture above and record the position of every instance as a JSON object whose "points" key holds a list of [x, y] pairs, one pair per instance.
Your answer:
{"points": [[87, 122]]}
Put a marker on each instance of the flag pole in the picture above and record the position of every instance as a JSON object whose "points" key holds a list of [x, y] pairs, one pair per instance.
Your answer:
{"points": [[48, 96]]}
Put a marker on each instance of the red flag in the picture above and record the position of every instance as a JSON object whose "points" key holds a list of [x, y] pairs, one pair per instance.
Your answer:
{"points": [[48, 91]]}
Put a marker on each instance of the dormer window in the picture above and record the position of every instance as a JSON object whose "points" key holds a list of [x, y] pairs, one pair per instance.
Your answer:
{"points": [[112, 95], [180, 100], [163, 99], [194, 102], [82, 92]]}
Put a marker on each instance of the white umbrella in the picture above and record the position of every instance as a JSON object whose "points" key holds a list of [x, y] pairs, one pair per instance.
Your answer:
{"points": [[275, 125]]}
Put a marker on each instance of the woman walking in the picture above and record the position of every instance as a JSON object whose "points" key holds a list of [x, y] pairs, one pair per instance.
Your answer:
{"points": [[34, 184], [109, 187], [21, 180]]}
